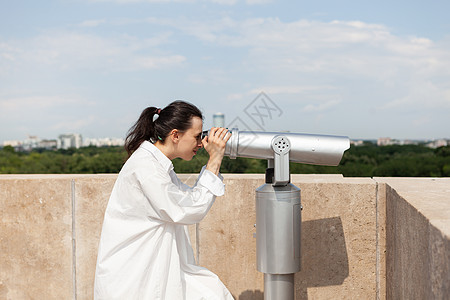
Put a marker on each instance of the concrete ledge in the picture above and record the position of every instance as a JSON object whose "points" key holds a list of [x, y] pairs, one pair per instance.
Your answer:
{"points": [[417, 238], [429, 196], [362, 238]]}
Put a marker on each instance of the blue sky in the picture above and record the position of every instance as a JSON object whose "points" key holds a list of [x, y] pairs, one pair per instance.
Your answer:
{"points": [[365, 69]]}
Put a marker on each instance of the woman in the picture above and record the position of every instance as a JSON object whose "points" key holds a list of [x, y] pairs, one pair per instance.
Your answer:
{"points": [[144, 250]]}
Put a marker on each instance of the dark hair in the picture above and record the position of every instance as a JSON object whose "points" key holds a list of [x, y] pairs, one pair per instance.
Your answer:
{"points": [[176, 115]]}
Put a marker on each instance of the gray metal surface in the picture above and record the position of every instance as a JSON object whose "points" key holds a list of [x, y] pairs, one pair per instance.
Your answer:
{"points": [[281, 147], [278, 207], [305, 148], [278, 287], [278, 227]]}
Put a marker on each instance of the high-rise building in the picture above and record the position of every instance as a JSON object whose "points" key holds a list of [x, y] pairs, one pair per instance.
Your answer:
{"points": [[219, 120]]}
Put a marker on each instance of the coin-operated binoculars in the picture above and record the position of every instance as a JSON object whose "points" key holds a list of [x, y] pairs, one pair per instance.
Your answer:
{"points": [[278, 207]]}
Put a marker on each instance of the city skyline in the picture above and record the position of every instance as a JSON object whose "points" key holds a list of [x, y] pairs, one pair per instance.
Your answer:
{"points": [[67, 140], [218, 119], [363, 70]]}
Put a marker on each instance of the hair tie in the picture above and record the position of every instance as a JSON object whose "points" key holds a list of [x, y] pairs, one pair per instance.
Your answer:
{"points": [[156, 115]]}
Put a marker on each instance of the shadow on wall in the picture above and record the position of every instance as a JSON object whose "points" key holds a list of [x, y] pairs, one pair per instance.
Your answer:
{"points": [[324, 258], [324, 255]]}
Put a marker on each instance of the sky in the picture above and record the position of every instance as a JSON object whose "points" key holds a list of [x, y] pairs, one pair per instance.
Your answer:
{"points": [[362, 69]]}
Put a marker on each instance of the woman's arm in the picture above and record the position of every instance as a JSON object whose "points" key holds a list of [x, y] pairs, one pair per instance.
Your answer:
{"points": [[168, 202], [183, 186]]}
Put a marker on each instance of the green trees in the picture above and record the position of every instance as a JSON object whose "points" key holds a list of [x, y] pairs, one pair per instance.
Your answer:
{"points": [[72, 161], [395, 161], [361, 161], [9, 160]]}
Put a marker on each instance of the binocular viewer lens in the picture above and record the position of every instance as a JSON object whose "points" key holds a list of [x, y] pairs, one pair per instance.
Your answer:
{"points": [[206, 133]]}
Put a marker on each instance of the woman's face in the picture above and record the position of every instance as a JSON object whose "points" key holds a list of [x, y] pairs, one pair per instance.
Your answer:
{"points": [[191, 140]]}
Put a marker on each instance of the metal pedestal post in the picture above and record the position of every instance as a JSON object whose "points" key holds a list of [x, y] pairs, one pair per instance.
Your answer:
{"points": [[278, 230], [278, 225], [278, 286]]}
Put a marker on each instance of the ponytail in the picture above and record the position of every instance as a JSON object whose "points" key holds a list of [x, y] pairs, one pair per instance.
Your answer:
{"points": [[177, 115], [142, 130]]}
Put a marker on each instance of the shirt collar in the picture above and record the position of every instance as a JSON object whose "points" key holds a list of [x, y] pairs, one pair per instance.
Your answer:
{"points": [[160, 157]]}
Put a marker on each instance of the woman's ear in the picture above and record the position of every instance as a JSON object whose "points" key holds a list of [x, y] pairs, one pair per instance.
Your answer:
{"points": [[175, 136]]}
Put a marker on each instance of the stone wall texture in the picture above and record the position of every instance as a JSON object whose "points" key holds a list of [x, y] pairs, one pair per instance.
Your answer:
{"points": [[362, 238], [418, 238]]}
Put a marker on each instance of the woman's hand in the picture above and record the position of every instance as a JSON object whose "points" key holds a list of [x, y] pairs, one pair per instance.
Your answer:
{"points": [[214, 144]]}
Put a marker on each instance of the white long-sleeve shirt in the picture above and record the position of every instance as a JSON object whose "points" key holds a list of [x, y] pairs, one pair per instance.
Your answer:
{"points": [[144, 250]]}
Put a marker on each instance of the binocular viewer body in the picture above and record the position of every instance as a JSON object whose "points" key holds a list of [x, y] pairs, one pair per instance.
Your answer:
{"points": [[278, 205], [303, 148]]}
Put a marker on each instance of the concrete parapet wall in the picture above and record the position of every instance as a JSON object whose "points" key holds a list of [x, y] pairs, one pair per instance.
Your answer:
{"points": [[417, 238], [50, 227]]}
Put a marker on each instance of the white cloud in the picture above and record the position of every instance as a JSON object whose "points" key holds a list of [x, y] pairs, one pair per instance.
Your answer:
{"points": [[222, 2], [74, 124], [423, 120], [413, 66], [423, 95], [35, 104], [410, 68], [314, 46], [294, 89], [254, 2], [74, 51], [321, 106], [142, 1], [45, 115], [317, 66], [7, 52], [235, 97], [92, 23], [225, 2], [153, 62]]}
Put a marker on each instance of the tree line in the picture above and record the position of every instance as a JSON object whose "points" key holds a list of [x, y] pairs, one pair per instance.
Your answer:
{"points": [[367, 160]]}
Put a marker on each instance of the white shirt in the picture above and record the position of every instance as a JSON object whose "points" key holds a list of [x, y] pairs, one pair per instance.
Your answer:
{"points": [[144, 250]]}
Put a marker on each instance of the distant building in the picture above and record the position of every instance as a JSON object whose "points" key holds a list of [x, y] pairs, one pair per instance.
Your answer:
{"points": [[48, 144], [219, 120], [384, 141], [14, 144], [32, 142], [427, 143], [64, 141], [437, 144], [357, 143], [72, 140], [103, 142]]}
